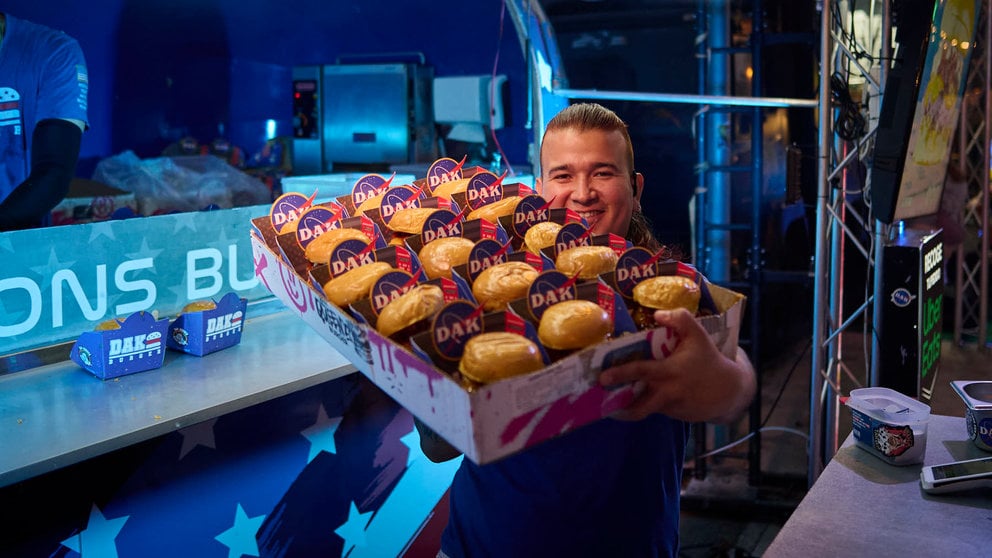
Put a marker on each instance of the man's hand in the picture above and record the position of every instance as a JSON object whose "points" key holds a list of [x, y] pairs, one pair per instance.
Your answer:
{"points": [[696, 383]]}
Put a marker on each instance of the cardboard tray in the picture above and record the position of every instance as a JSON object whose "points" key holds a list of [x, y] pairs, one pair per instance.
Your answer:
{"points": [[497, 419]]}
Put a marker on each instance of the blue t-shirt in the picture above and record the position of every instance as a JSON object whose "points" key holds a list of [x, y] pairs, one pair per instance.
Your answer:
{"points": [[42, 75], [610, 488]]}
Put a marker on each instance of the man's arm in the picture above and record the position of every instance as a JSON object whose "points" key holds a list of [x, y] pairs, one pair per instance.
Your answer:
{"points": [[696, 383], [54, 153], [434, 447]]}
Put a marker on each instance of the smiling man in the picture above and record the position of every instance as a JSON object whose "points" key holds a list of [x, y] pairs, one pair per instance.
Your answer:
{"points": [[587, 165]]}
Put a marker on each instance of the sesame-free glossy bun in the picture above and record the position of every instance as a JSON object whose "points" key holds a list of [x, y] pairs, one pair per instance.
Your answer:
{"points": [[668, 292], [369, 203], [587, 261], [199, 306], [419, 303], [540, 236], [493, 211], [108, 325], [448, 189], [498, 285], [574, 324], [355, 284], [410, 220], [319, 250], [439, 256], [493, 356]]}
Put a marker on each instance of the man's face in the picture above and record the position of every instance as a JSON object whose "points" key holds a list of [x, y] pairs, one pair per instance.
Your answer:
{"points": [[587, 172]]}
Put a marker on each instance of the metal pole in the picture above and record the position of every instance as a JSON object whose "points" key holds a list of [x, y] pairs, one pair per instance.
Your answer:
{"points": [[820, 281], [718, 145], [722, 100], [983, 307], [757, 255], [881, 230]]}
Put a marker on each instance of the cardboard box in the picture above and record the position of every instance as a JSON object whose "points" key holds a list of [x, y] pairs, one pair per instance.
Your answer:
{"points": [[137, 346], [208, 331], [497, 419]]}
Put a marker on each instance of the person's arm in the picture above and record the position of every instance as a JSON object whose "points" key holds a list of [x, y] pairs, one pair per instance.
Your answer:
{"points": [[54, 153], [434, 447], [696, 383]]}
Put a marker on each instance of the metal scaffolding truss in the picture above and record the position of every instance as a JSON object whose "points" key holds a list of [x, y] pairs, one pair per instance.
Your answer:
{"points": [[839, 225]]}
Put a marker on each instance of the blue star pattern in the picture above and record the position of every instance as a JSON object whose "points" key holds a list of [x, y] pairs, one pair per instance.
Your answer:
{"points": [[201, 434], [321, 434], [98, 539], [333, 470], [353, 530], [240, 538]]}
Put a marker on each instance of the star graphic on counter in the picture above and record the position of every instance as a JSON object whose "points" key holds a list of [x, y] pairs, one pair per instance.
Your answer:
{"points": [[98, 537], [412, 441], [180, 292], [240, 538], [102, 228], [353, 530], [321, 434], [221, 242], [52, 266], [144, 252], [200, 434], [185, 220]]}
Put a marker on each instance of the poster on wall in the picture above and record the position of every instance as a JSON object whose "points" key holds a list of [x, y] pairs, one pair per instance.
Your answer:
{"points": [[938, 107]]}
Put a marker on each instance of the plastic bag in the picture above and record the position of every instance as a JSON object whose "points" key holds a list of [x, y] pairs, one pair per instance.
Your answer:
{"points": [[181, 183]]}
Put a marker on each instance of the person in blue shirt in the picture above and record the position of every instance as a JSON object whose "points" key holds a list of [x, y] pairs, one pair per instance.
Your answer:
{"points": [[43, 88], [610, 488]]}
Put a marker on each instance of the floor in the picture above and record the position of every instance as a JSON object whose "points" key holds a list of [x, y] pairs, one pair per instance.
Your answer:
{"points": [[736, 512]]}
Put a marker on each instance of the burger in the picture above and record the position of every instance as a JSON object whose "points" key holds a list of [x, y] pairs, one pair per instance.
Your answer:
{"points": [[199, 306], [319, 250], [449, 189], [410, 312], [574, 324], [666, 292], [410, 220], [370, 203], [586, 261], [540, 236], [439, 256], [496, 286], [355, 284], [108, 325], [488, 357], [493, 211]]}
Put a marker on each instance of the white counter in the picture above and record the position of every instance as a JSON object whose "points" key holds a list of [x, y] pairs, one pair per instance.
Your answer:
{"points": [[56, 415]]}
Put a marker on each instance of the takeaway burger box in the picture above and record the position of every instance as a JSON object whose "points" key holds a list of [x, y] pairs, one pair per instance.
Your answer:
{"points": [[494, 420]]}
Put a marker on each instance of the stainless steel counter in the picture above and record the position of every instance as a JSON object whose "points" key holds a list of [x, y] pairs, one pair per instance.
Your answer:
{"points": [[59, 414], [862, 506]]}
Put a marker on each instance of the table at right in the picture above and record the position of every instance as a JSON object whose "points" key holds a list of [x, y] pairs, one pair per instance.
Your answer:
{"points": [[862, 506]]}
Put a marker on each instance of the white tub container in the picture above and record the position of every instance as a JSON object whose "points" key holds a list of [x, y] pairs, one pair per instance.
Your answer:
{"points": [[889, 424]]}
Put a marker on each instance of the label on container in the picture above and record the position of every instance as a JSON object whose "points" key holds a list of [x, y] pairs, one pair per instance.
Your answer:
{"points": [[979, 430], [894, 443]]}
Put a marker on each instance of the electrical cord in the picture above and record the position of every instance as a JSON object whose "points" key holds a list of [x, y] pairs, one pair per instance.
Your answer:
{"points": [[771, 409], [850, 124], [492, 92], [751, 435]]}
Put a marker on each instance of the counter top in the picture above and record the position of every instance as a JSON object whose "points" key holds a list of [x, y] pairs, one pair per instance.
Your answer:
{"points": [[862, 506], [60, 414]]}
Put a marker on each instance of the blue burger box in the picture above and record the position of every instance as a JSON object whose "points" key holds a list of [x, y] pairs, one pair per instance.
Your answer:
{"points": [[137, 346], [208, 331]]}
